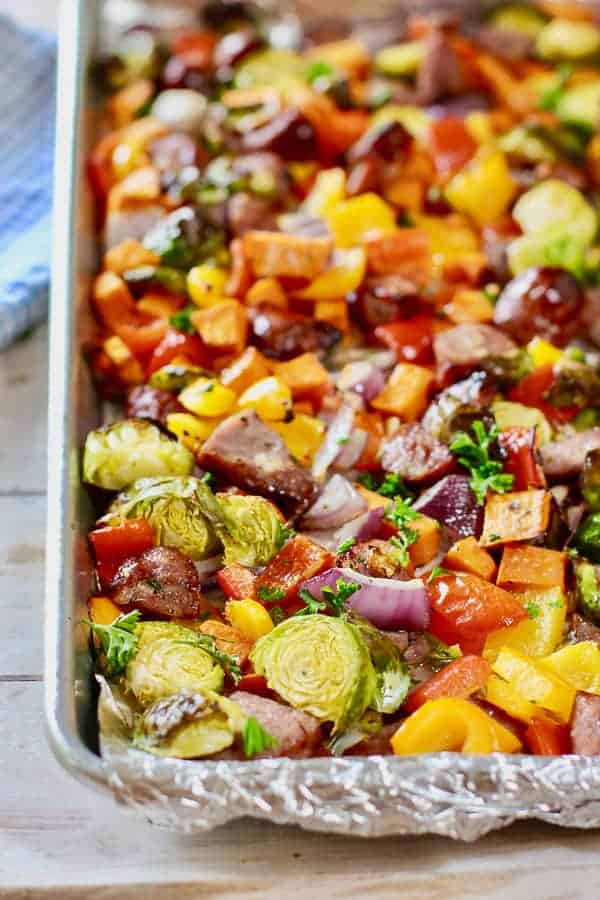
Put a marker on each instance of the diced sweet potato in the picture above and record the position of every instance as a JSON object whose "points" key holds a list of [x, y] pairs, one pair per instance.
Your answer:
{"points": [[248, 368], [427, 544], [272, 254], [129, 254], [407, 392], [468, 556], [269, 291], [303, 374], [523, 567], [223, 325], [517, 516]]}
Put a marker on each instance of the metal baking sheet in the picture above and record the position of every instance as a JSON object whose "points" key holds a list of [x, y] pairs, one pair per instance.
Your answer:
{"points": [[460, 796]]}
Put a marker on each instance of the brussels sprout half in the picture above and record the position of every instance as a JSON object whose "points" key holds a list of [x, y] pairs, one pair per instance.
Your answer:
{"points": [[252, 532], [119, 454], [393, 679], [175, 507], [588, 592], [189, 724], [168, 659], [321, 665]]}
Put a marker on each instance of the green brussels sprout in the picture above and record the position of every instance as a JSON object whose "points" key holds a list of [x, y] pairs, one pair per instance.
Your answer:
{"points": [[393, 679], [184, 238], [558, 203], [400, 60], [188, 725], [147, 277], [174, 377], [590, 480], [319, 664], [368, 725], [588, 593], [169, 657], [580, 105], [252, 532], [266, 67], [119, 454], [576, 384], [175, 507], [566, 39], [518, 18], [587, 538], [526, 144]]}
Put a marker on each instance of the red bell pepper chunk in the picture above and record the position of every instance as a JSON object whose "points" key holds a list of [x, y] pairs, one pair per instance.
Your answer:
{"points": [[460, 678], [117, 310], [451, 145], [520, 460], [237, 581], [195, 48], [532, 391], [299, 559], [465, 608], [410, 339], [547, 738], [177, 343], [254, 684], [113, 544]]}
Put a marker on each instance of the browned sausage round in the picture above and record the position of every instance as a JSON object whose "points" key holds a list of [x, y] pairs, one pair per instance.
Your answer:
{"points": [[283, 335], [161, 582], [145, 402], [540, 302], [416, 455]]}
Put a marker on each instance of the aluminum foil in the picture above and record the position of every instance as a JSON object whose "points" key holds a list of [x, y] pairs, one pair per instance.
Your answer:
{"points": [[450, 794]]}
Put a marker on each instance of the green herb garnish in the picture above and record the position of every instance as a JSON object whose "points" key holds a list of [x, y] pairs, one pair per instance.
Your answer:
{"points": [[182, 320], [474, 455], [284, 533], [255, 738], [270, 594], [154, 584], [533, 609], [553, 95], [225, 660], [319, 69], [391, 486], [208, 478], [400, 514], [437, 572], [345, 545], [335, 600], [119, 641], [277, 614]]}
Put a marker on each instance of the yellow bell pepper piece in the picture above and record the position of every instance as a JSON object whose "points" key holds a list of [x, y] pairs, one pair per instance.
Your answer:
{"points": [[191, 430], [103, 611], [535, 682], [302, 436], [537, 636], [543, 353], [406, 393], [360, 219], [479, 125], [484, 188], [450, 240], [270, 397], [578, 665], [452, 724], [206, 397], [415, 120], [344, 276], [326, 193], [206, 284], [249, 617], [502, 694], [267, 290]]}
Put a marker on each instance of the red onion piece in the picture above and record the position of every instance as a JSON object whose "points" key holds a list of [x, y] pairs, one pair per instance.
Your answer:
{"points": [[338, 503], [338, 433], [364, 378], [208, 567], [362, 528], [452, 502], [389, 604], [351, 451]]}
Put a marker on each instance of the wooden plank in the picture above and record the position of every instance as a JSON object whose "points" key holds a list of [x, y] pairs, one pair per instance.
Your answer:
{"points": [[58, 839], [23, 388], [21, 580]]}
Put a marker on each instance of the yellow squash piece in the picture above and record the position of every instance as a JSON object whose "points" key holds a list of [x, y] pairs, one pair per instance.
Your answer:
{"points": [[543, 353], [484, 189], [326, 193], [270, 397], [206, 397], [302, 436], [578, 665], [361, 219], [345, 275], [249, 617], [452, 724], [191, 431], [536, 682], [536, 636]]}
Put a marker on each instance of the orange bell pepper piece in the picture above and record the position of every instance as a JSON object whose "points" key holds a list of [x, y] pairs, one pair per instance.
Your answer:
{"points": [[460, 678], [468, 556], [544, 737]]}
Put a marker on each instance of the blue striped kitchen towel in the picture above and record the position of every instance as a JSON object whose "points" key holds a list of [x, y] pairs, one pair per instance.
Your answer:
{"points": [[27, 66]]}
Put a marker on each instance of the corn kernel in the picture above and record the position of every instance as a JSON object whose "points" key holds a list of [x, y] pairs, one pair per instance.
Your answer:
{"points": [[270, 397], [543, 353], [302, 436], [206, 397], [191, 431], [206, 284], [249, 617]]}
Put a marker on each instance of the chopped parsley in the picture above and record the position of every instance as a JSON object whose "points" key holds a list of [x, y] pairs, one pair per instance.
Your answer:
{"points": [[533, 609], [119, 641], [208, 478], [552, 96], [277, 614], [494, 537], [331, 600], [344, 439], [346, 545], [225, 660], [255, 738], [391, 486], [319, 69], [182, 320], [474, 455], [438, 572], [270, 593], [284, 533], [154, 584], [400, 514]]}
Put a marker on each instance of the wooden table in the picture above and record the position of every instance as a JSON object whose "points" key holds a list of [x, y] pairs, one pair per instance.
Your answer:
{"points": [[59, 839]]}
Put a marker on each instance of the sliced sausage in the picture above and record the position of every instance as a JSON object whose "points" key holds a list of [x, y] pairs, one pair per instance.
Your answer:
{"points": [[416, 455], [584, 630], [469, 343], [246, 212], [565, 459], [440, 74], [298, 734], [585, 724], [387, 141], [284, 335], [374, 558], [161, 582], [289, 134], [145, 402], [540, 302], [248, 454]]}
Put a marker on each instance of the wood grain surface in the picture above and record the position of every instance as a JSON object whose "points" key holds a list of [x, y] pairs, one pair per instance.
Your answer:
{"points": [[60, 840]]}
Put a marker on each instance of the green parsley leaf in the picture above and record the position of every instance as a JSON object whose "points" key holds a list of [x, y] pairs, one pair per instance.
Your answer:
{"points": [[270, 594], [437, 572], [368, 481], [277, 614], [225, 660], [345, 545], [319, 69], [474, 455], [208, 478], [154, 584], [393, 486], [182, 321], [336, 600], [532, 609], [119, 641], [491, 292], [400, 514], [284, 533], [312, 605], [343, 440], [494, 538], [553, 95], [255, 738]]}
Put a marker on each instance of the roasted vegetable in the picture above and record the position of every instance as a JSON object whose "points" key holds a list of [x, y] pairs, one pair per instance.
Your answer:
{"points": [[588, 590], [119, 454], [393, 679], [252, 529], [184, 239], [587, 537]]}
